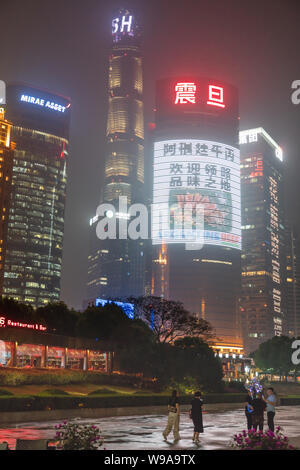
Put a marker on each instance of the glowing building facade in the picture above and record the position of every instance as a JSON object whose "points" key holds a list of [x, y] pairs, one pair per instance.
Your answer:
{"points": [[6, 165], [116, 267], [263, 299], [197, 166], [40, 130], [293, 281]]}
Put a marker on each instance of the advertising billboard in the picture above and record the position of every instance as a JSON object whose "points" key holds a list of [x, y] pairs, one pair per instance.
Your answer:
{"points": [[191, 174], [127, 307]]}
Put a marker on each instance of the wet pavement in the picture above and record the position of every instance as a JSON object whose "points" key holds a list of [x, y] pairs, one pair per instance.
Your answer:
{"points": [[145, 432]]}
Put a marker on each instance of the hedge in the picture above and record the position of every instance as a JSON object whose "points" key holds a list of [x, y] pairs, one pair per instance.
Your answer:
{"points": [[39, 403], [15, 377], [289, 401]]}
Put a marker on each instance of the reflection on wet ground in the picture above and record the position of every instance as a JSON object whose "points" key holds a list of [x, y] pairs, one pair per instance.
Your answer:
{"points": [[145, 432]]}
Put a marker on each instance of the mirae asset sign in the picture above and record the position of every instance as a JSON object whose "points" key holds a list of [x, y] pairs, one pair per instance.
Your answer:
{"points": [[44, 103], [6, 322]]}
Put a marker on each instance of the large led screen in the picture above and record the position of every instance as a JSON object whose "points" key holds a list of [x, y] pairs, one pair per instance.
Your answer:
{"points": [[192, 173]]}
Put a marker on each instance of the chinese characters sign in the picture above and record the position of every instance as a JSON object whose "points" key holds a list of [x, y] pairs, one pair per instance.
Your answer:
{"points": [[197, 99], [189, 173], [185, 92]]}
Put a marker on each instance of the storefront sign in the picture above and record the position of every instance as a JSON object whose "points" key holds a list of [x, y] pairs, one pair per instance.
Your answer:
{"points": [[7, 323]]}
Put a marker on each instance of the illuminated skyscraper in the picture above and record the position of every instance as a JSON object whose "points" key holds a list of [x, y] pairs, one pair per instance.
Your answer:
{"points": [[36, 218], [263, 304], [197, 164], [293, 282], [115, 267], [6, 165]]}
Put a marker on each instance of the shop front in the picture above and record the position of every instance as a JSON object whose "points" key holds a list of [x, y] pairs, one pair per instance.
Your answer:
{"points": [[33, 347]]}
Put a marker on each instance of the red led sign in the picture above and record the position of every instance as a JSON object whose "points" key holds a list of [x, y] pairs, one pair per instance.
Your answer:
{"points": [[6, 322], [185, 92]]}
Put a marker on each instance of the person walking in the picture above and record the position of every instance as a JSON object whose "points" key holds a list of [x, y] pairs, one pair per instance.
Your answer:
{"points": [[196, 415], [259, 407], [173, 417], [249, 409], [271, 402]]}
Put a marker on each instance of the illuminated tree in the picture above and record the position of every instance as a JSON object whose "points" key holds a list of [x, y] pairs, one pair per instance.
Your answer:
{"points": [[169, 320]]}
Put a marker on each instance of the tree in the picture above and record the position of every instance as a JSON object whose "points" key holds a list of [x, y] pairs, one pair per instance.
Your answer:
{"points": [[16, 311], [275, 356], [107, 323], [198, 361], [58, 318], [169, 320]]}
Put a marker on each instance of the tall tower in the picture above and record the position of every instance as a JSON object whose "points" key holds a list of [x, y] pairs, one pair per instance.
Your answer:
{"points": [[6, 165], [293, 281], [35, 238], [263, 302], [115, 267], [197, 164]]}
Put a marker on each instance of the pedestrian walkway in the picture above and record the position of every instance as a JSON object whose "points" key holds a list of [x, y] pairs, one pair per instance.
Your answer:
{"points": [[145, 432]]}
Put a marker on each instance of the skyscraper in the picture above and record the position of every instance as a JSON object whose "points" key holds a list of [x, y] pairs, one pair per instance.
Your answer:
{"points": [[293, 282], [40, 130], [6, 165], [197, 163], [263, 304], [116, 267]]}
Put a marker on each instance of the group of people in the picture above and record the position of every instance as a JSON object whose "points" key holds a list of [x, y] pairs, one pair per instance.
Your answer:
{"points": [[195, 414], [254, 409]]}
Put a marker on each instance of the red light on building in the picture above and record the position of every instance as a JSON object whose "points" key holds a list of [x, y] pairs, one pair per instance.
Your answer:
{"points": [[259, 169], [185, 92], [216, 96], [151, 126]]}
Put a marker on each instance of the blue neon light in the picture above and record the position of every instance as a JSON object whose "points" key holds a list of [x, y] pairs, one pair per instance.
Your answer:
{"points": [[127, 308]]}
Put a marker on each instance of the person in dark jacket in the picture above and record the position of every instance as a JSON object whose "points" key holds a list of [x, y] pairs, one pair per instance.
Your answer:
{"points": [[196, 415], [259, 407], [249, 409]]}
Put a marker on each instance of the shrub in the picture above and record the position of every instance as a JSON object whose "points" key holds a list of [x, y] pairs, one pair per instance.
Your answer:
{"points": [[258, 440], [61, 402], [6, 393], [15, 377], [235, 387], [73, 436]]}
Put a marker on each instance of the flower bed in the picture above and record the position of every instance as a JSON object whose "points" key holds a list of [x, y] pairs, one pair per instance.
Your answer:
{"points": [[259, 440], [73, 436]]}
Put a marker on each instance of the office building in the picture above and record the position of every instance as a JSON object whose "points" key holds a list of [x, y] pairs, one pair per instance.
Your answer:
{"points": [[40, 129], [263, 305], [6, 165], [197, 166]]}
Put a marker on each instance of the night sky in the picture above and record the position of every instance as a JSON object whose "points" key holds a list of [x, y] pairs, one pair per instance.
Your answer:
{"points": [[63, 45]]}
